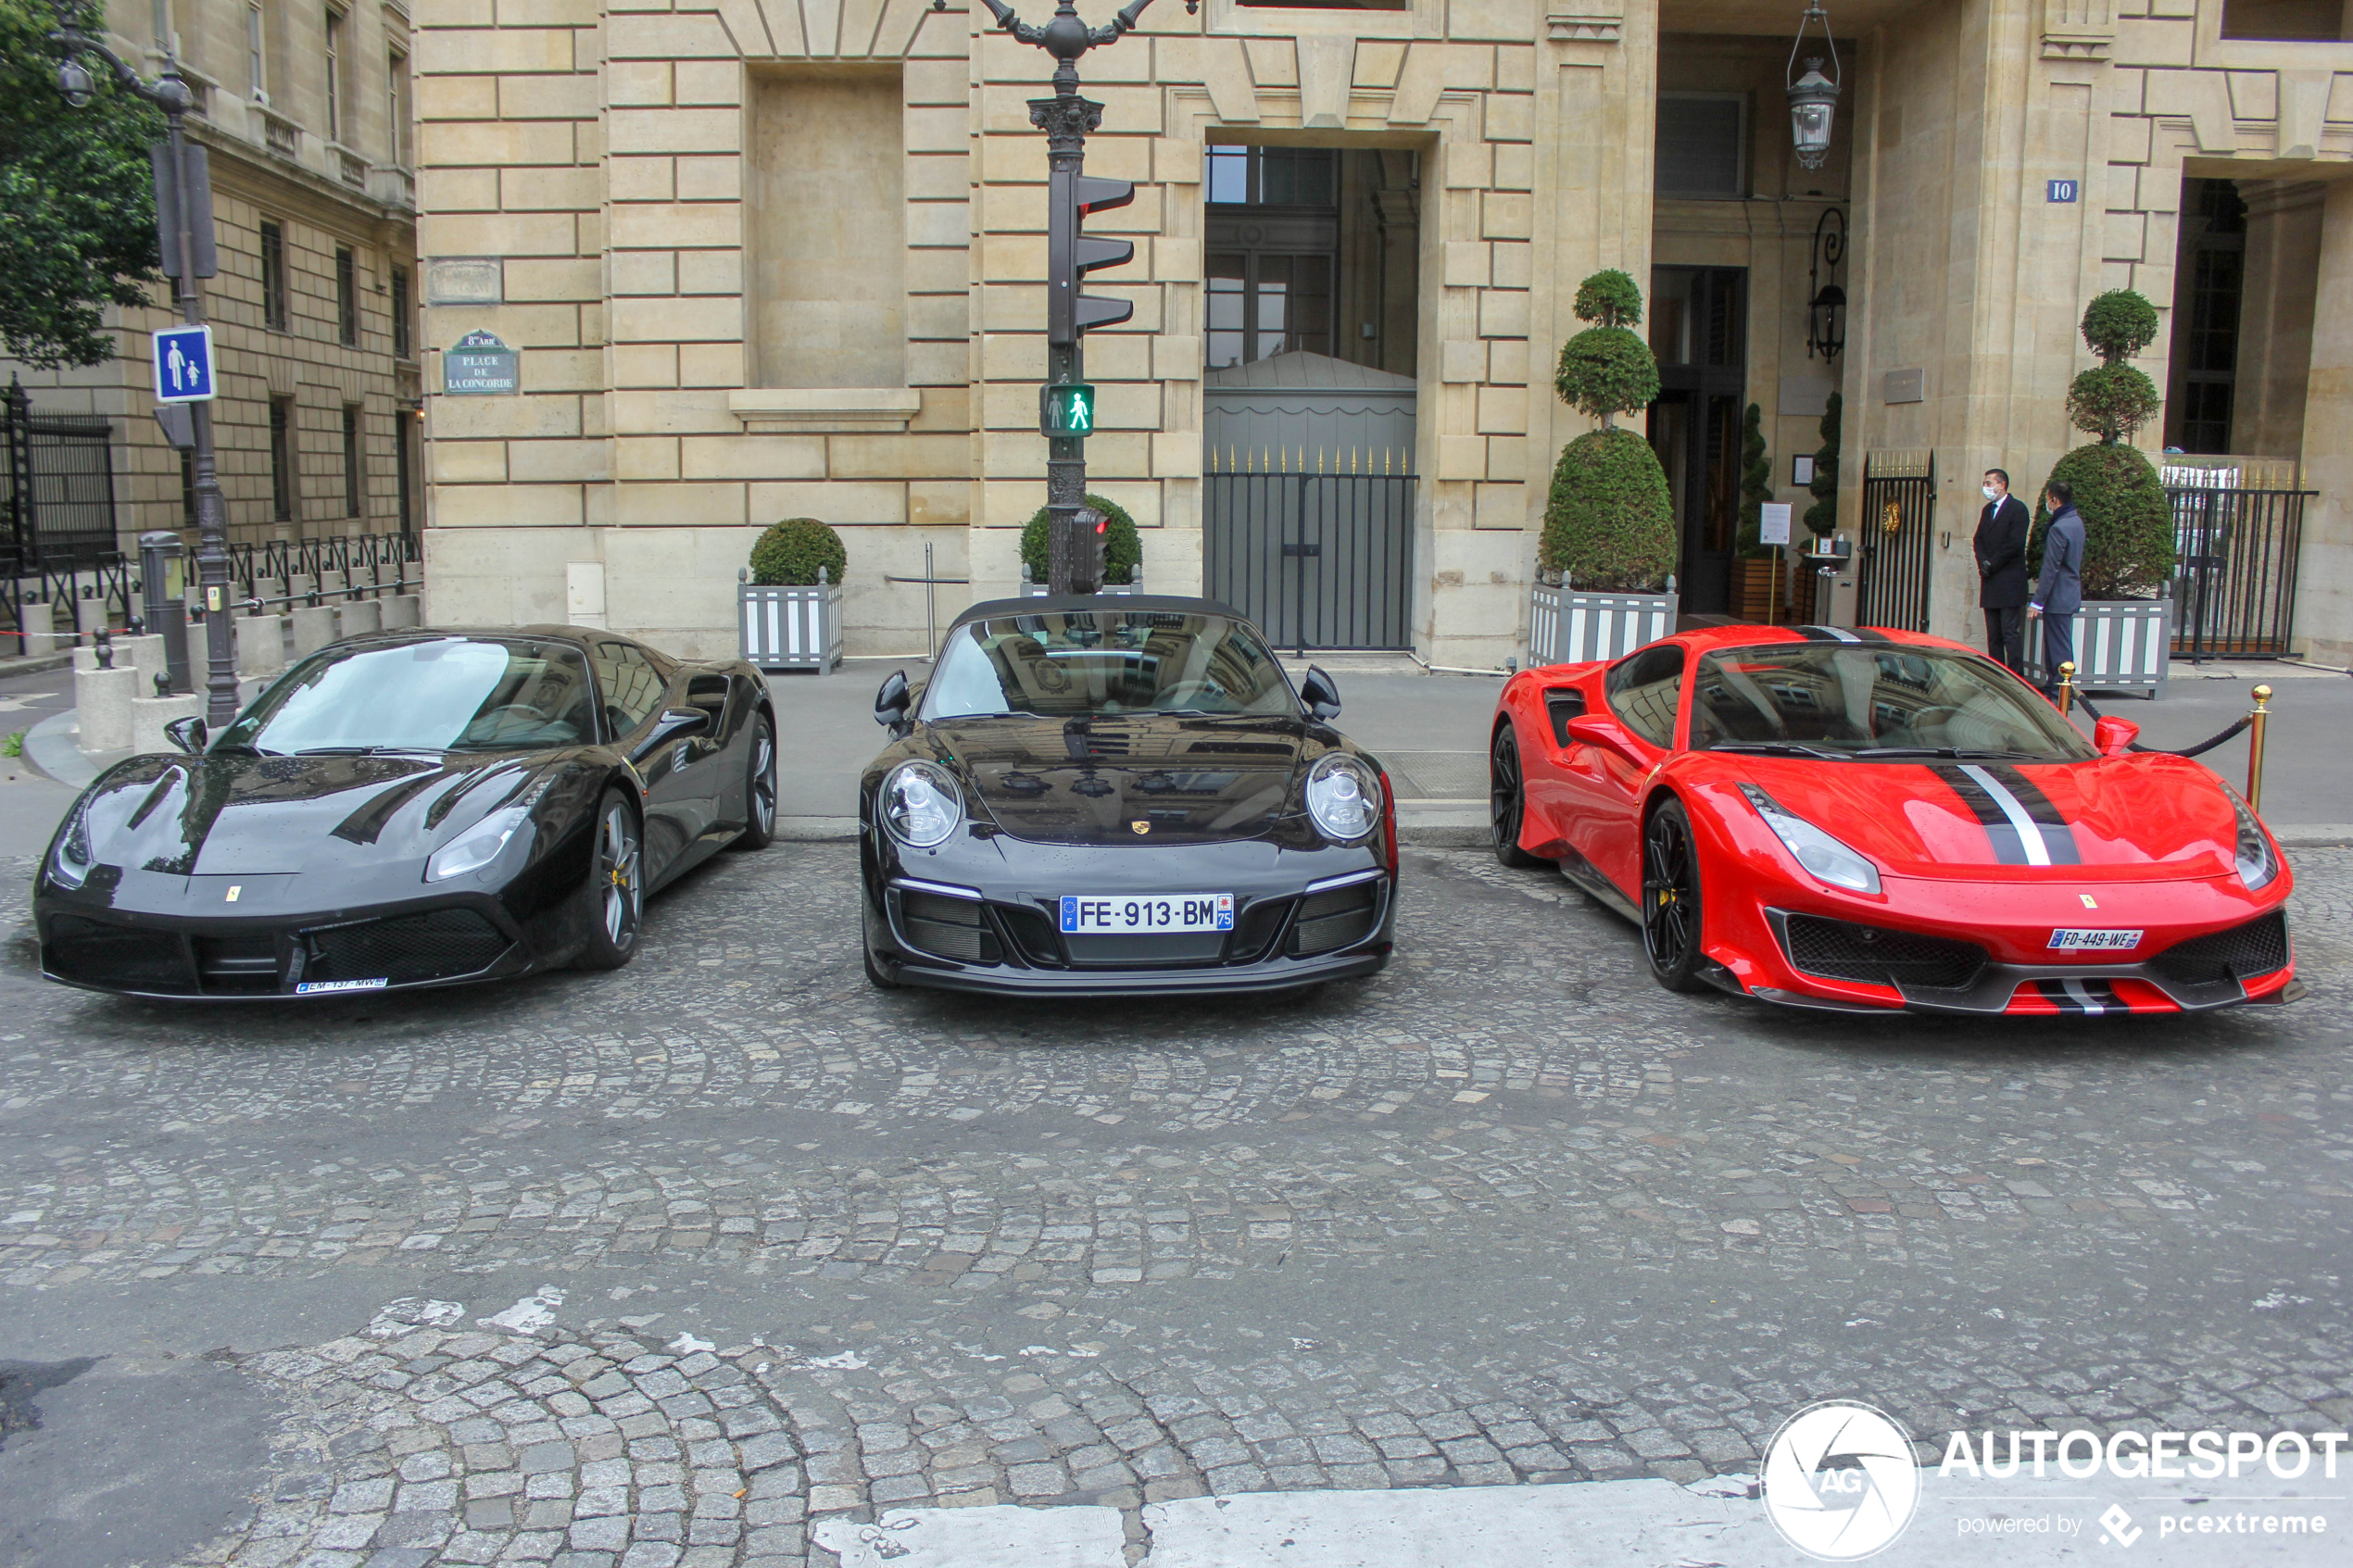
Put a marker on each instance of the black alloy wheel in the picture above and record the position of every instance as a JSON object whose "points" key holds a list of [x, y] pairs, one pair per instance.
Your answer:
{"points": [[1507, 800], [616, 885], [760, 789], [1671, 900]]}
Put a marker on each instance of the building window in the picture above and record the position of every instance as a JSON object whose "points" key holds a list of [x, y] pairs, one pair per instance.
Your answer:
{"points": [[403, 347], [274, 275], [1271, 268], [334, 75], [281, 459], [403, 454], [257, 55], [354, 500], [397, 108], [1702, 150], [346, 297]]}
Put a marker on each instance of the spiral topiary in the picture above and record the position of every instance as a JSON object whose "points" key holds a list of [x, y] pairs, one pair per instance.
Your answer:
{"points": [[1122, 547], [1821, 517], [1609, 521], [789, 553], [1756, 484]]}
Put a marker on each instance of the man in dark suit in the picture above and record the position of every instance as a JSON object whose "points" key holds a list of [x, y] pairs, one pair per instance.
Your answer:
{"points": [[2001, 569], [2060, 593]]}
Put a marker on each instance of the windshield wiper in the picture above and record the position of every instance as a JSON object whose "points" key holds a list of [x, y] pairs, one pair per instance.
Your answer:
{"points": [[242, 749], [1960, 753], [1780, 749], [353, 750]]}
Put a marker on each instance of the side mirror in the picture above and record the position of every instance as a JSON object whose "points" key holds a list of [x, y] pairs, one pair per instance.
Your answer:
{"points": [[189, 734], [1320, 696], [893, 700], [1591, 729], [2115, 737]]}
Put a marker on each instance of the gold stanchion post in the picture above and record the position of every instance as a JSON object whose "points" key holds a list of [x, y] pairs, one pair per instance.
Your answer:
{"points": [[2067, 686], [2256, 721]]}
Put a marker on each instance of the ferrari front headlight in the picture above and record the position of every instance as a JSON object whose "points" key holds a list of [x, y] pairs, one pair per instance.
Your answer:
{"points": [[2256, 864], [921, 805], [1344, 799], [1824, 858], [479, 844], [70, 862]]}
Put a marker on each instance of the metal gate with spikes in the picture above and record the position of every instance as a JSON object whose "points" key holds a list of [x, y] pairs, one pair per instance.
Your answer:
{"points": [[1897, 546]]}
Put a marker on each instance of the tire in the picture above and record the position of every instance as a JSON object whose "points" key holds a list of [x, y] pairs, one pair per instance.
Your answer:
{"points": [[616, 885], [875, 976], [759, 788], [1507, 800], [1671, 905]]}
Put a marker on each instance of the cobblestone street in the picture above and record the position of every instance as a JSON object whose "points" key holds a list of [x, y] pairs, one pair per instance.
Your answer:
{"points": [[677, 1264]]}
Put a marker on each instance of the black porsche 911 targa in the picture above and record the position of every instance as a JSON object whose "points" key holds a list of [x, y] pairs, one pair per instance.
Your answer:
{"points": [[412, 808], [1120, 795]]}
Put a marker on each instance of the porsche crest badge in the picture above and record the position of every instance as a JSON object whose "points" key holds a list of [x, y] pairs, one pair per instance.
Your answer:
{"points": [[1139, 826]]}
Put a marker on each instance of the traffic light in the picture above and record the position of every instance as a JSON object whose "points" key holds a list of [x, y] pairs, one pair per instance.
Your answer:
{"points": [[1068, 409], [1071, 254]]}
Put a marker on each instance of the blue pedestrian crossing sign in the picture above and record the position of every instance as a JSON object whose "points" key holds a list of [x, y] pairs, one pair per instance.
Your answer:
{"points": [[184, 365]]}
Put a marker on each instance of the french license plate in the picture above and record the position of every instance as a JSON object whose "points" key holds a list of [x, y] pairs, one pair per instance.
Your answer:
{"points": [[335, 988], [1119, 914], [2095, 941]]}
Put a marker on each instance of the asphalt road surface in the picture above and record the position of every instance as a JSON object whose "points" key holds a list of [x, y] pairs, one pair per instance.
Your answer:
{"points": [[687, 1264]]}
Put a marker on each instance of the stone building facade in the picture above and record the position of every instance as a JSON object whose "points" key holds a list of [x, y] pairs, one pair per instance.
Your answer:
{"points": [[763, 260], [319, 423]]}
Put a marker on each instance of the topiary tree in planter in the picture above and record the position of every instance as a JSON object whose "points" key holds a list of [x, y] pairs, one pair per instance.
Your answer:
{"points": [[1756, 482], [1821, 517], [1609, 522], [1122, 547], [788, 554], [2128, 526]]}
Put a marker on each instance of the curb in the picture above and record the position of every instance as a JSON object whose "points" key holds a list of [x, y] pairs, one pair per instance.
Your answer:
{"points": [[36, 663], [49, 748]]}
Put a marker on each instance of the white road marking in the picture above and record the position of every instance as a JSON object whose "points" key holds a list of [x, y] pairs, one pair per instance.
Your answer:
{"points": [[412, 1313], [529, 1315]]}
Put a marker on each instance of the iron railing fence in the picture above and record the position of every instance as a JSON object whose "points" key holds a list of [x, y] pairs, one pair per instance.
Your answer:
{"points": [[2236, 553], [1318, 560]]}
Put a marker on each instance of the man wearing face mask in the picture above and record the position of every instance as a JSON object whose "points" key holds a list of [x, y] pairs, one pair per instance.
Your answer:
{"points": [[2001, 569]]}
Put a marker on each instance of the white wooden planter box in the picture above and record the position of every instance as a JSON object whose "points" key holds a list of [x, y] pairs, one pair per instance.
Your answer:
{"points": [[791, 628], [1572, 626], [2121, 644]]}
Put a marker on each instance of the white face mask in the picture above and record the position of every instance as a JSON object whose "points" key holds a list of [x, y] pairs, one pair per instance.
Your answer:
{"points": [[1991, 494]]}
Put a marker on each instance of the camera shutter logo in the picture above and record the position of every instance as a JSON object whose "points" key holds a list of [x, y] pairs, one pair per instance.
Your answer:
{"points": [[1839, 1480]]}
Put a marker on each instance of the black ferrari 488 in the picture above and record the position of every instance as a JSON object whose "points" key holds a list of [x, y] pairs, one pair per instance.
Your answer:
{"points": [[412, 808], [1120, 795]]}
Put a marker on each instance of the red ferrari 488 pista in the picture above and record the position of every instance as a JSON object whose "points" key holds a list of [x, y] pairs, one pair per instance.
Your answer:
{"points": [[1864, 820]]}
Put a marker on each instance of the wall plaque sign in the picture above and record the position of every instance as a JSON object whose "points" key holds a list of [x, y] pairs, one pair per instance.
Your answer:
{"points": [[479, 365]]}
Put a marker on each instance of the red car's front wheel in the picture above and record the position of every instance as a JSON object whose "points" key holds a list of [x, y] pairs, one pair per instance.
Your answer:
{"points": [[1671, 900], [1507, 800]]}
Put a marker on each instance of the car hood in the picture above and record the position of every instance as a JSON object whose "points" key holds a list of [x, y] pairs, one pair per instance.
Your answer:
{"points": [[1187, 780], [2165, 813], [236, 815]]}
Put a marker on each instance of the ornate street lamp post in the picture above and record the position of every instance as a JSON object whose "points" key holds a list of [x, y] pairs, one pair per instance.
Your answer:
{"points": [[1813, 97], [1066, 404], [188, 251], [1826, 307]]}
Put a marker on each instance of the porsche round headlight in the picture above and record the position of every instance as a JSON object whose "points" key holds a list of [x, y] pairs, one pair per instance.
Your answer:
{"points": [[1344, 799], [921, 805]]}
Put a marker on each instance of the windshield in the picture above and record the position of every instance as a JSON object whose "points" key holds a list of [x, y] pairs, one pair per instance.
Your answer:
{"points": [[445, 693], [1839, 699], [1101, 661]]}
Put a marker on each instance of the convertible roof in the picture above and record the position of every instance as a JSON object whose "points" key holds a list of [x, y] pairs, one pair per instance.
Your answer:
{"points": [[1059, 604]]}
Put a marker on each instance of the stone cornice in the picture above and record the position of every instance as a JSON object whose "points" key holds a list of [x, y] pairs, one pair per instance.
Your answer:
{"points": [[822, 411]]}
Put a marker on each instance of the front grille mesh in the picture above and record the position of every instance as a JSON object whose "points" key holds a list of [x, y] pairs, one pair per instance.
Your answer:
{"points": [[99, 954], [951, 928], [1837, 949], [437, 944], [1328, 920], [2243, 952]]}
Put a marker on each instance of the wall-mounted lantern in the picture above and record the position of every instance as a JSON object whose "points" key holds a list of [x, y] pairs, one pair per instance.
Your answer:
{"points": [[1813, 97], [1826, 307]]}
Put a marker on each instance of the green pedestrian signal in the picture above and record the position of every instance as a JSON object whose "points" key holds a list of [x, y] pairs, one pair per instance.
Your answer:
{"points": [[1067, 411]]}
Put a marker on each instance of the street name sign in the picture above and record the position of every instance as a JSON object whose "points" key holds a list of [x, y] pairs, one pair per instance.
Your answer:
{"points": [[479, 365], [184, 365]]}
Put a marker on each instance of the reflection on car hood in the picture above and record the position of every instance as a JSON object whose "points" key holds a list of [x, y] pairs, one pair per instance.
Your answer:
{"points": [[2112, 813], [1091, 781], [239, 814]]}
